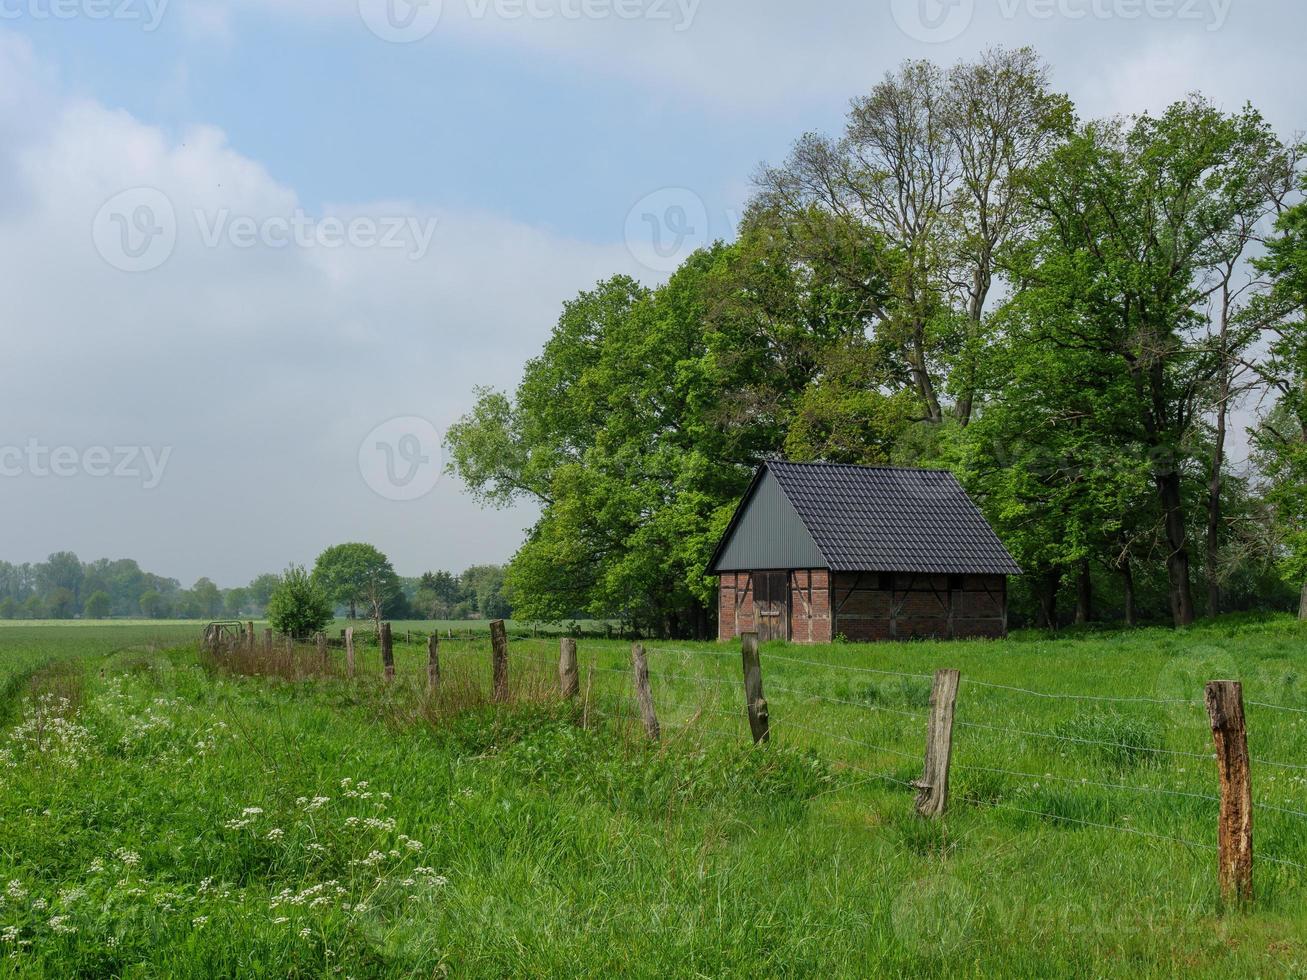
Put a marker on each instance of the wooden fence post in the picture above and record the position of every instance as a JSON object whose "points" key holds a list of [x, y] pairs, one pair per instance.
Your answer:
{"points": [[569, 676], [499, 658], [387, 652], [932, 789], [249, 636], [644, 695], [267, 642], [349, 652], [1230, 733], [323, 658], [433, 663], [759, 721]]}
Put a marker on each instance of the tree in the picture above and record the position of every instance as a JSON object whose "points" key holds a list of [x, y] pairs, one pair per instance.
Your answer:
{"points": [[437, 594], [299, 607], [8, 608], [153, 605], [61, 604], [1134, 216], [352, 574], [235, 602], [261, 589], [915, 202], [97, 605], [33, 608], [207, 599], [62, 570], [1281, 436]]}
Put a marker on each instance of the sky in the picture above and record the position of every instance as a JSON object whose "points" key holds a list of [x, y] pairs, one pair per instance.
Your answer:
{"points": [[256, 255]]}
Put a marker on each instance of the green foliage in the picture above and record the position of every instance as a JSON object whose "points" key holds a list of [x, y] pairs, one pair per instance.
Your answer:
{"points": [[97, 605], [299, 607], [356, 575]]}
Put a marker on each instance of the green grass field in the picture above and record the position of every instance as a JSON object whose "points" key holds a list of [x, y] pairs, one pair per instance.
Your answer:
{"points": [[163, 815]]}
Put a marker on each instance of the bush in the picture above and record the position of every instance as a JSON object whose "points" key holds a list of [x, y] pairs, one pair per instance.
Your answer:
{"points": [[297, 606]]}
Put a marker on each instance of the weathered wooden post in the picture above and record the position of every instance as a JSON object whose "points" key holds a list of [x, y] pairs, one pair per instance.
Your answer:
{"points": [[643, 693], [499, 658], [387, 652], [290, 645], [1230, 733], [932, 788], [759, 721], [569, 676], [433, 663], [267, 642], [323, 657], [349, 652], [249, 636]]}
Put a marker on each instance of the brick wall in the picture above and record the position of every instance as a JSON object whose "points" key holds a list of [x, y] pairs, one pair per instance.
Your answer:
{"points": [[809, 612], [855, 606], [870, 607], [810, 606], [735, 605]]}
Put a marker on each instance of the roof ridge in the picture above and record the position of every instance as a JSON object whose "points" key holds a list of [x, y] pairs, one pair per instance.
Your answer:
{"points": [[862, 466]]}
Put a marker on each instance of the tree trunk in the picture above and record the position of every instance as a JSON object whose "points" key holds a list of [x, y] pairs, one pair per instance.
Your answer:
{"points": [[1048, 588], [1177, 562], [1128, 584], [1214, 508], [1084, 594], [353, 610], [1302, 604]]}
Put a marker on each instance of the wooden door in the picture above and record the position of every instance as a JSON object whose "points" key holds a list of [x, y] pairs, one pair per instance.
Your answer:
{"points": [[771, 599]]}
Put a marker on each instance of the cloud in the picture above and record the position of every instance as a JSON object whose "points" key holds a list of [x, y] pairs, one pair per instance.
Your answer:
{"points": [[262, 365]]}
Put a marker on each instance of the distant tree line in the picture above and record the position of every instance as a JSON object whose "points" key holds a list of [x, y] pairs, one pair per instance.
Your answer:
{"points": [[65, 587], [1068, 313]]}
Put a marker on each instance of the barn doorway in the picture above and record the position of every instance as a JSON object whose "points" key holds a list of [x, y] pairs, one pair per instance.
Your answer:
{"points": [[771, 598]]}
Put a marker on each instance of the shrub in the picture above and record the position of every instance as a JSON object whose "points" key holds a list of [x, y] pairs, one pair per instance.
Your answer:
{"points": [[297, 606]]}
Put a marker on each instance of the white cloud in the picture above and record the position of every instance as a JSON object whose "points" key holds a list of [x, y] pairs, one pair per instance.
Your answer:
{"points": [[263, 367]]}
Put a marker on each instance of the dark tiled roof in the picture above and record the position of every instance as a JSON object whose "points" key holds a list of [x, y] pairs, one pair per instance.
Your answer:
{"points": [[892, 520]]}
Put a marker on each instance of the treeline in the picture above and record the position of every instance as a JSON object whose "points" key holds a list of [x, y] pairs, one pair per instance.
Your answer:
{"points": [[64, 587], [1070, 314]]}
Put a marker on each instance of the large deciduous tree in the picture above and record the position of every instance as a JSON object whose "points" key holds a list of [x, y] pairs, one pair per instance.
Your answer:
{"points": [[1136, 217]]}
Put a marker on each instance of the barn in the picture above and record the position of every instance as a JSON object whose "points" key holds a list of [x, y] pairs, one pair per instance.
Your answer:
{"points": [[821, 550]]}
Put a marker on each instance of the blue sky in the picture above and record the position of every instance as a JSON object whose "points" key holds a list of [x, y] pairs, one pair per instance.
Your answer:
{"points": [[515, 158]]}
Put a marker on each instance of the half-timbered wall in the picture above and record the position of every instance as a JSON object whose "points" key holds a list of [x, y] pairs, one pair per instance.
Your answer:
{"points": [[808, 613], [871, 606]]}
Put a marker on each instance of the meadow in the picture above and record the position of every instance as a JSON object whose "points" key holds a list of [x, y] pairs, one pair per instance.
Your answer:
{"points": [[164, 812]]}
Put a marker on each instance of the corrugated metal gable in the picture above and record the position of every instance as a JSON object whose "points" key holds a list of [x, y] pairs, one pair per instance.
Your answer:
{"points": [[767, 533]]}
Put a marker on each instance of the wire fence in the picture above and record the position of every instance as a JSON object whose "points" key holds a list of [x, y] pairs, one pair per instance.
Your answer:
{"points": [[882, 742]]}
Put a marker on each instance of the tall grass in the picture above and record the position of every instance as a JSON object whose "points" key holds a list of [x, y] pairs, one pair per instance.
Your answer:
{"points": [[202, 817]]}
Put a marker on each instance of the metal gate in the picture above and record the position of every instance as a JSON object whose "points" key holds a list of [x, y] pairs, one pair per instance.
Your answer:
{"points": [[771, 599]]}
